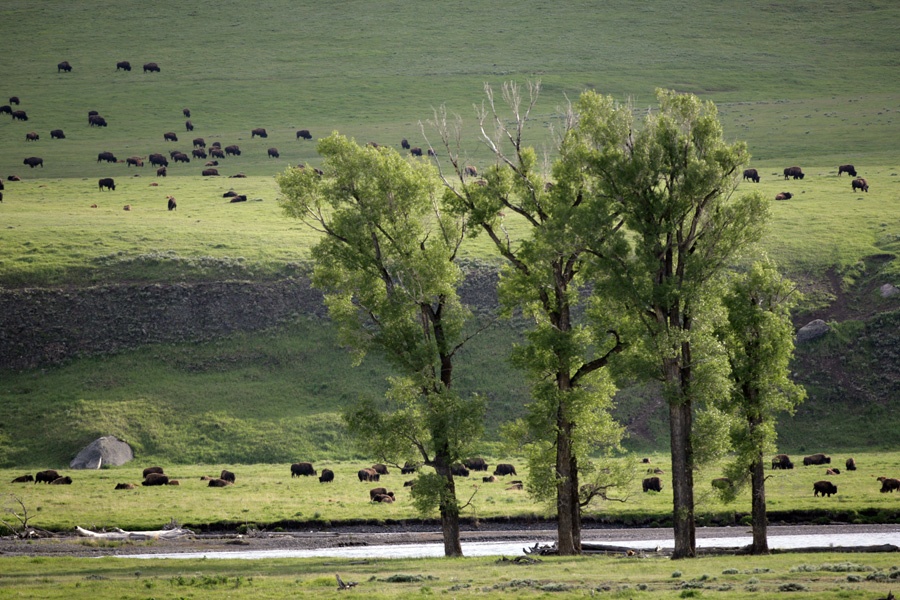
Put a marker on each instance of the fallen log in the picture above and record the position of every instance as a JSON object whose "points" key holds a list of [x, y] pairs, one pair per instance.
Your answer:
{"points": [[121, 535]]}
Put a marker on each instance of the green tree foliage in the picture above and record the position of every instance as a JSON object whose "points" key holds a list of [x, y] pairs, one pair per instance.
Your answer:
{"points": [[672, 180], [563, 356], [759, 340], [386, 264]]}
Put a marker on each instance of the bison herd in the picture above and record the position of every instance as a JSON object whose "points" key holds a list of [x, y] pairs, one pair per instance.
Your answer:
{"points": [[795, 173]]}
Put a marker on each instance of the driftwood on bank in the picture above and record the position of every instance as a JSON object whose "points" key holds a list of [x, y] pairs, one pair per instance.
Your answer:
{"points": [[121, 535]]}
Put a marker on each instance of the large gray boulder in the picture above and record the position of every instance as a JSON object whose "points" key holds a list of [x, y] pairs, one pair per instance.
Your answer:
{"points": [[103, 451], [812, 331], [889, 290]]}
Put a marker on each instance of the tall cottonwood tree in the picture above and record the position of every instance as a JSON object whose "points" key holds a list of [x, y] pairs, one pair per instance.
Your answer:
{"points": [[672, 178], [759, 341], [563, 356], [386, 264]]}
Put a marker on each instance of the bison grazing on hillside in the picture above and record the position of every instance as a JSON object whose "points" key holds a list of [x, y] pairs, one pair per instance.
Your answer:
{"points": [[216, 153], [199, 143], [19, 115], [170, 136], [186, 112], [161, 172], [476, 464], [159, 160], [826, 488], [404, 144], [850, 464], [793, 172], [107, 182], [816, 459], [124, 65], [259, 131], [14, 100], [459, 470], [505, 469], [137, 161], [32, 136], [652, 484], [326, 476], [782, 461], [860, 184], [471, 172], [210, 172], [188, 126], [151, 67], [57, 134], [233, 149], [34, 161], [227, 476], [368, 475], [415, 151], [379, 491], [198, 153], [849, 169], [305, 134], [273, 152], [784, 196], [107, 156], [172, 206], [23, 479], [96, 120], [381, 469], [6, 109], [63, 66], [302, 468], [889, 484], [181, 157], [46, 476], [752, 175]]}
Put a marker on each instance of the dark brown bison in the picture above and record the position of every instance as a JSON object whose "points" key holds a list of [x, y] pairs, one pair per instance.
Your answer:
{"points": [[6, 109], [889, 484], [415, 151], [368, 475], [305, 134], [752, 175], [459, 470], [259, 131], [188, 126], [57, 134], [97, 120], [471, 172], [199, 143], [782, 461], [230, 194], [652, 484], [849, 169], [173, 482], [126, 207], [379, 491], [14, 100], [23, 479], [410, 483], [170, 136], [186, 112], [326, 476], [832, 471], [62, 481], [34, 161], [784, 196], [172, 206], [158, 159], [107, 156], [32, 136], [385, 498], [793, 173], [490, 479], [505, 469], [198, 153], [218, 483], [19, 115], [161, 172], [239, 198], [137, 161], [63, 66], [375, 145], [408, 468], [210, 172], [826, 488], [237, 176], [124, 65], [152, 67], [404, 144], [381, 469], [14, 178], [645, 461], [108, 183], [860, 184], [850, 464], [46, 476], [227, 476], [233, 149], [172, 153], [92, 113], [431, 152], [273, 152], [181, 157], [125, 486], [216, 144], [155, 479], [476, 464], [302, 468], [816, 459], [212, 163], [216, 153]]}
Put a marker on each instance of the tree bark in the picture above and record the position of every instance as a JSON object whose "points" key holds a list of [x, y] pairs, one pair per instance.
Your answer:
{"points": [[568, 510], [680, 420], [758, 507], [449, 509]]}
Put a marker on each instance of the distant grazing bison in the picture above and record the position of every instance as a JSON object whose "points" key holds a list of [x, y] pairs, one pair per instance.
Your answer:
{"points": [[181, 157], [137, 161], [34, 161], [381, 469], [23, 479], [368, 475], [19, 115], [152, 67], [652, 484], [125, 486], [404, 144], [170, 136], [14, 100], [273, 152], [302, 468], [849, 169], [326, 476], [62, 481], [793, 173], [752, 175], [476, 464], [155, 479], [233, 149], [198, 153], [860, 184], [46, 476], [199, 143], [32, 136], [850, 464], [210, 172], [63, 66], [159, 160], [218, 483], [816, 459], [186, 112], [96, 120], [259, 131], [305, 134], [379, 491], [107, 182], [216, 153], [124, 65], [107, 156], [161, 172], [227, 476], [459, 470], [505, 469], [471, 172], [415, 151], [784, 196], [188, 126], [825, 488], [172, 206], [57, 134], [782, 461], [889, 484], [431, 152], [6, 109]]}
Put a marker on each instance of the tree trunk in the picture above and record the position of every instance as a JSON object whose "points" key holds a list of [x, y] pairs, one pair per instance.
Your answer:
{"points": [[680, 419], [758, 507], [568, 511], [449, 508]]}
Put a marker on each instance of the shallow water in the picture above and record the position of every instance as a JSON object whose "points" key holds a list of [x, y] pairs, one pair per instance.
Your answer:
{"points": [[515, 548]]}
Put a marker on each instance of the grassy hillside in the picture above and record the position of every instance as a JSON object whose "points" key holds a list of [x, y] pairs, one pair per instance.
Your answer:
{"points": [[810, 84]]}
